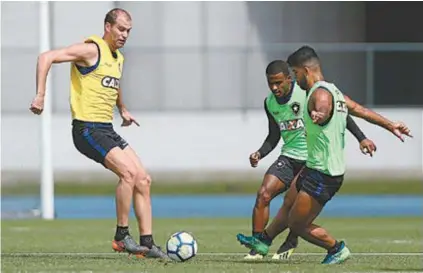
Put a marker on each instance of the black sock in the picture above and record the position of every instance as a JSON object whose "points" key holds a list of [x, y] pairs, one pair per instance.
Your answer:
{"points": [[265, 238], [121, 232], [147, 240], [335, 248]]}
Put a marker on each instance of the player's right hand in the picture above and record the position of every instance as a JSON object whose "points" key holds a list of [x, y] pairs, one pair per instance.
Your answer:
{"points": [[37, 105], [367, 147], [317, 117], [399, 129], [254, 159]]}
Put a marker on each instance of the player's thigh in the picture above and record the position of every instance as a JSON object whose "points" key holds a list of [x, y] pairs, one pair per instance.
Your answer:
{"points": [[292, 192], [279, 176], [271, 186], [129, 156], [121, 164], [304, 210], [136, 160], [124, 145]]}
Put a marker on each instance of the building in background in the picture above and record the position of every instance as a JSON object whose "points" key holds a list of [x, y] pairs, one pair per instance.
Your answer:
{"points": [[195, 70]]}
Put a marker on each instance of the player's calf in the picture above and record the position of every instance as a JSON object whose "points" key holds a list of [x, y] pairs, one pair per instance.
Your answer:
{"points": [[261, 210], [142, 206], [270, 188]]}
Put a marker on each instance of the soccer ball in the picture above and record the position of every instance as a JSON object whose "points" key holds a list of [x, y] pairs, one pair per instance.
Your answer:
{"points": [[181, 246]]}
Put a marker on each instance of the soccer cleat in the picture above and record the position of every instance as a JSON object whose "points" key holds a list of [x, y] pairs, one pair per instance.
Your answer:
{"points": [[253, 255], [156, 252], [253, 243], [339, 257], [129, 245], [284, 252]]}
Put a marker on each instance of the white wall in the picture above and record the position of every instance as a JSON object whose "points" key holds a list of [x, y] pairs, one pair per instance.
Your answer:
{"points": [[195, 142], [184, 55]]}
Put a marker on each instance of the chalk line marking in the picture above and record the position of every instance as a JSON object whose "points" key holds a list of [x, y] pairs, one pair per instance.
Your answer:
{"points": [[40, 254]]}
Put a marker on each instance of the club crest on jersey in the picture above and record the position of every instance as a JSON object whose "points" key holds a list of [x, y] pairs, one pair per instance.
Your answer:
{"points": [[110, 82], [295, 108], [291, 125]]}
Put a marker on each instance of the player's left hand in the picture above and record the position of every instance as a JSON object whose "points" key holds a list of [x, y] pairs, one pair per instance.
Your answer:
{"points": [[367, 147], [316, 116], [128, 119], [399, 129]]}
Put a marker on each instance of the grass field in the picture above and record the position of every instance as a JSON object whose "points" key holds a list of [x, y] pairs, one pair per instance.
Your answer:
{"points": [[371, 186], [377, 244]]}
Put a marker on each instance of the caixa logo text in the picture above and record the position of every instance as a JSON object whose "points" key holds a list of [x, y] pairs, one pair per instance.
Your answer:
{"points": [[291, 125], [110, 82]]}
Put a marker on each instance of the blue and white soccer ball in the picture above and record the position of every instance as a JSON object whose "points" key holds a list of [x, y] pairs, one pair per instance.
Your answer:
{"points": [[181, 246]]}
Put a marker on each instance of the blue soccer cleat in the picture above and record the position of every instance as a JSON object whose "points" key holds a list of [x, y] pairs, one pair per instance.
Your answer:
{"points": [[253, 243], [339, 257]]}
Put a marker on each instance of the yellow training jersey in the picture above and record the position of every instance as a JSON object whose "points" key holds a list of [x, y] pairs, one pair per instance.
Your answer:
{"points": [[94, 90]]}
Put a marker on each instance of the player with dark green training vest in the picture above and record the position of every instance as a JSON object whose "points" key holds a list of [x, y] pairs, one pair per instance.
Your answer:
{"points": [[284, 108], [325, 115]]}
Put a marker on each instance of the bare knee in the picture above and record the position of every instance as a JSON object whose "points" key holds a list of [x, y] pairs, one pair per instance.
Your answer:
{"points": [[144, 179], [129, 175], [143, 183], [264, 197]]}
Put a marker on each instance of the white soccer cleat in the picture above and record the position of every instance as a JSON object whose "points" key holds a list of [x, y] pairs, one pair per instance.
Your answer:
{"points": [[283, 255], [253, 256]]}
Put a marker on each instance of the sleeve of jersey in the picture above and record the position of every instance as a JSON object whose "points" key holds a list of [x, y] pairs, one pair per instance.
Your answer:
{"points": [[354, 129], [273, 136]]}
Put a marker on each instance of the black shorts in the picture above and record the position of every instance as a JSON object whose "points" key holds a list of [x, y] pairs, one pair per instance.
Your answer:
{"points": [[320, 186], [95, 139], [285, 169]]}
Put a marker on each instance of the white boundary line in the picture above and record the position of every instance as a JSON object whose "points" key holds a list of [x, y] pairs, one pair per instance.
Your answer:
{"points": [[40, 254]]}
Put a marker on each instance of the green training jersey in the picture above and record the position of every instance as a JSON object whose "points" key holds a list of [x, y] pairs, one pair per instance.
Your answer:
{"points": [[289, 117], [326, 143]]}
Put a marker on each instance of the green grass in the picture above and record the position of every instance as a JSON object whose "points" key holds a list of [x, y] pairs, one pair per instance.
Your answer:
{"points": [[368, 235], [242, 187]]}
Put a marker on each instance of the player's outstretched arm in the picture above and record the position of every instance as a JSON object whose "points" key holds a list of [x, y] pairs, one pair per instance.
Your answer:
{"points": [[397, 128], [270, 142], [320, 106], [84, 54]]}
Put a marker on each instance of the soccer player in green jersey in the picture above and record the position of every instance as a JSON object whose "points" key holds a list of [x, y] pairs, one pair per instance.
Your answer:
{"points": [[325, 117], [284, 107]]}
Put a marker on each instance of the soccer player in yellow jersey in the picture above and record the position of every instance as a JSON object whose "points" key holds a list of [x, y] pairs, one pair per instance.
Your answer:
{"points": [[96, 69]]}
